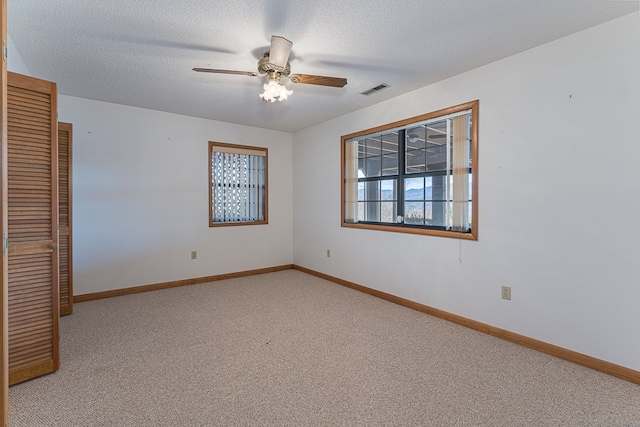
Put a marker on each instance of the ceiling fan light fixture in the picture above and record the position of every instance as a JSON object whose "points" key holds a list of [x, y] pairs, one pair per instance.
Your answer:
{"points": [[275, 91], [275, 65]]}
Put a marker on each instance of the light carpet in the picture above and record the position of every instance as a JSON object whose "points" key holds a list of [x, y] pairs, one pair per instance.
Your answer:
{"points": [[290, 349]]}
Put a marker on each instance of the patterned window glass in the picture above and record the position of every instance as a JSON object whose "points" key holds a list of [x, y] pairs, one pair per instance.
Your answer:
{"points": [[238, 184]]}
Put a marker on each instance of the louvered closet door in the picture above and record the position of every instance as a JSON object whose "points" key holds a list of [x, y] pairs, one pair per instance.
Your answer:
{"points": [[33, 220], [64, 236]]}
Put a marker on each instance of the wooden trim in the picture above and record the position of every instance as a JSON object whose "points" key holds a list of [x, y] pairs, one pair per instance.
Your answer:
{"points": [[232, 224], [401, 123], [474, 106], [475, 165], [550, 349], [223, 147], [410, 230], [343, 179], [177, 283], [4, 282], [210, 182], [239, 149], [54, 226], [55, 222], [66, 230], [30, 372]]}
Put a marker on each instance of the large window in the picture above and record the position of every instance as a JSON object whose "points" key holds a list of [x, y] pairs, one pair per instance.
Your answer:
{"points": [[418, 175], [237, 184]]}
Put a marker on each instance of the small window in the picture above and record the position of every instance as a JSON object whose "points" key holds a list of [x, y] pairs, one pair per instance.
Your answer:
{"points": [[238, 185], [418, 175]]}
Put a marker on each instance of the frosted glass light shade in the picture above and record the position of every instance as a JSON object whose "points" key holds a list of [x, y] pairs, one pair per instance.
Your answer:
{"points": [[275, 91]]}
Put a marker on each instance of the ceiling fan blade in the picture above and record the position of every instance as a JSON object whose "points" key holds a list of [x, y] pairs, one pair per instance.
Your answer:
{"points": [[318, 80], [279, 51], [213, 70]]}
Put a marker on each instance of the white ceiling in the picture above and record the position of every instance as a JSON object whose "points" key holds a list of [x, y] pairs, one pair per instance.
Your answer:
{"points": [[141, 52]]}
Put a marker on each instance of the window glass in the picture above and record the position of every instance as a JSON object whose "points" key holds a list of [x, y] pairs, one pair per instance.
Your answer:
{"points": [[238, 184], [418, 175]]}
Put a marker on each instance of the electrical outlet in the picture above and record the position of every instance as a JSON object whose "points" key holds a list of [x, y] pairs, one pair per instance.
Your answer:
{"points": [[506, 292], [194, 254], [328, 253]]}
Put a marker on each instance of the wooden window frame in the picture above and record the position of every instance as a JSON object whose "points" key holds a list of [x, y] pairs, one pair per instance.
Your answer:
{"points": [[473, 106], [239, 149]]}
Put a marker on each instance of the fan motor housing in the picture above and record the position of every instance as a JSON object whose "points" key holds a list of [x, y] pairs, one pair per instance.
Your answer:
{"points": [[264, 66]]}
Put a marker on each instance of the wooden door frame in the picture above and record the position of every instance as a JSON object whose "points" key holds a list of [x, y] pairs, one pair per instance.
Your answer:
{"points": [[4, 283]]}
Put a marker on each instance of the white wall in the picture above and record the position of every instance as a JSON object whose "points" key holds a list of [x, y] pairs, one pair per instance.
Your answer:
{"points": [[140, 198], [15, 63], [559, 198]]}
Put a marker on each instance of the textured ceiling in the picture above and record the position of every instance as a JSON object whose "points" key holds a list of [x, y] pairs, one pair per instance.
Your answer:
{"points": [[141, 52]]}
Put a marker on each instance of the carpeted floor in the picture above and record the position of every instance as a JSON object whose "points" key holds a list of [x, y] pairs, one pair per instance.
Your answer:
{"points": [[289, 349]]}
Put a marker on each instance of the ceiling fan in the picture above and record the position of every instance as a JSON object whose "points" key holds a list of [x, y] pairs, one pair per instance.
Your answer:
{"points": [[275, 65]]}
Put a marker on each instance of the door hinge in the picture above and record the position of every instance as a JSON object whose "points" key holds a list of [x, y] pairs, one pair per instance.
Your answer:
{"points": [[5, 243]]}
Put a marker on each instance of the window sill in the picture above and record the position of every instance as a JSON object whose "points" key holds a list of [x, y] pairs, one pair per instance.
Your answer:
{"points": [[232, 224], [413, 230]]}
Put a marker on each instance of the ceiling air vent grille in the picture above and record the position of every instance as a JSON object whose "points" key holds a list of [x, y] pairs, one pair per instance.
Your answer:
{"points": [[375, 89]]}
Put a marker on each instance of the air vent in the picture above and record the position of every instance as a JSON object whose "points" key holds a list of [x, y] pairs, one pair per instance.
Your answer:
{"points": [[373, 90]]}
